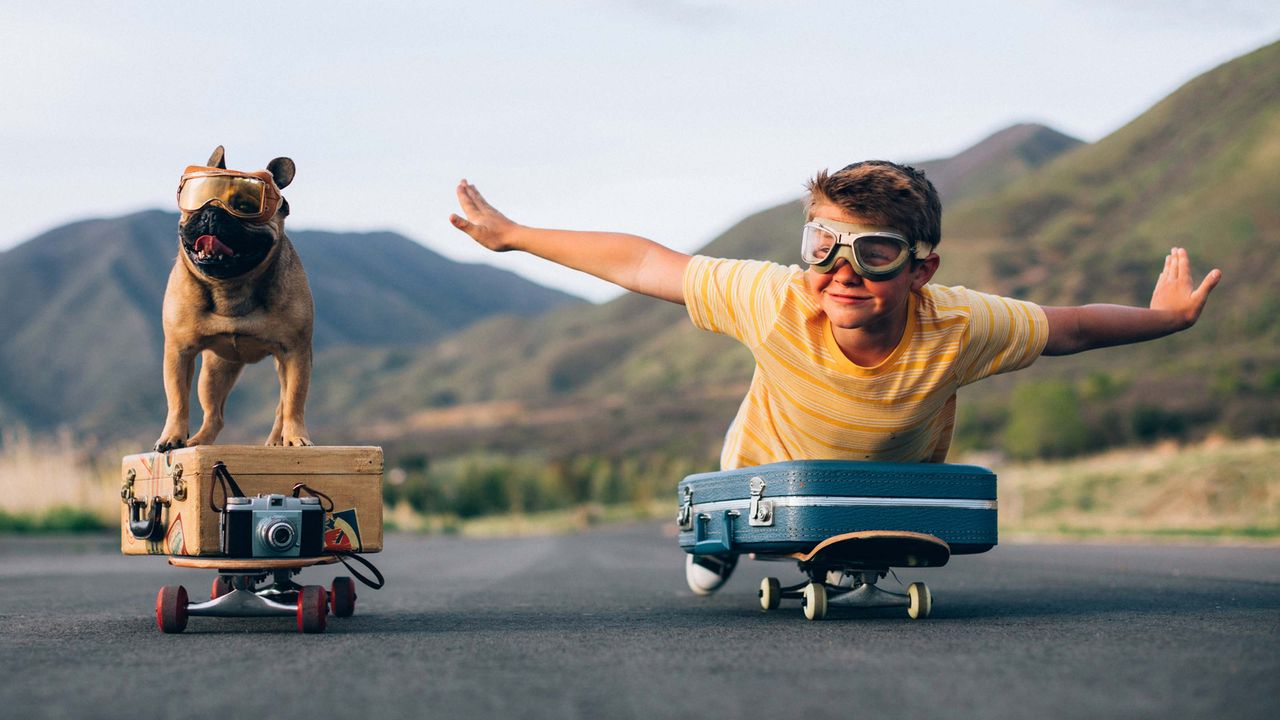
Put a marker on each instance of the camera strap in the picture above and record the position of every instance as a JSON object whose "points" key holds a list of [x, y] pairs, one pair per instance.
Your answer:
{"points": [[342, 556], [222, 477], [300, 487]]}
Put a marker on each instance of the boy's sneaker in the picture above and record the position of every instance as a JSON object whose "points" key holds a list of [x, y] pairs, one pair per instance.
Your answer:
{"points": [[706, 573]]}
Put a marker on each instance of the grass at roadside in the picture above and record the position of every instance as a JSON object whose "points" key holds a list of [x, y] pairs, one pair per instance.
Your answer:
{"points": [[1214, 491], [50, 484]]}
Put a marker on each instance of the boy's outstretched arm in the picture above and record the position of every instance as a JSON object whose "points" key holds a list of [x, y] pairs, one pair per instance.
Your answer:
{"points": [[1175, 305], [633, 262]]}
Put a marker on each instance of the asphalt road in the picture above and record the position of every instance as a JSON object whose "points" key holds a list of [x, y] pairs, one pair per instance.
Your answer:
{"points": [[600, 625]]}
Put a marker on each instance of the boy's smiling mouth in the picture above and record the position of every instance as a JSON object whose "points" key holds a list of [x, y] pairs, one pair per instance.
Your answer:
{"points": [[847, 299]]}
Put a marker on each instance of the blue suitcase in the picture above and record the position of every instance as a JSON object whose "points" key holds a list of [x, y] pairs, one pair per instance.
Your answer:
{"points": [[789, 507], [844, 523]]}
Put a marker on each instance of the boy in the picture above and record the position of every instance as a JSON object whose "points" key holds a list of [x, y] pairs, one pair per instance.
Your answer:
{"points": [[857, 357]]}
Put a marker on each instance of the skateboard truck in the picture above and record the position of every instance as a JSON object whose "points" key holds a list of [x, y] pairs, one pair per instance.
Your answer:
{"points": [[239, 591], [843, 570]]}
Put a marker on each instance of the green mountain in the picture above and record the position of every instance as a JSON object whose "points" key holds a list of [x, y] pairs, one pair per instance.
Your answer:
{"points": [[1089, 224], [1200, 170], [629, 375], [80, 335], [1028, 213], [996, 162]]}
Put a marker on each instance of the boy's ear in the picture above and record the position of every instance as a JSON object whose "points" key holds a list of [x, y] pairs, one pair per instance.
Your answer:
{"points": [[924, 270]]}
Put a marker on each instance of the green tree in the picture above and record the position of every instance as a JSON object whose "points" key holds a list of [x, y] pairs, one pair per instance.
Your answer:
{"points": [[1045, 421]]}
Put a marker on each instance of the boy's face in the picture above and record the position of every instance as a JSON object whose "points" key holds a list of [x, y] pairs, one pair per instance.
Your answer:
{"points": [[851, 301]]}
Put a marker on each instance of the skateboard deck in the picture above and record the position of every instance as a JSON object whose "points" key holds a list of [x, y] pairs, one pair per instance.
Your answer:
{"points": [[250, 564], [843, 570], [878, 549]]}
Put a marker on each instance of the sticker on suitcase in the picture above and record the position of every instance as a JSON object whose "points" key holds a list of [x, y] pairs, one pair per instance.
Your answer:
{"points": [[342, 531]]}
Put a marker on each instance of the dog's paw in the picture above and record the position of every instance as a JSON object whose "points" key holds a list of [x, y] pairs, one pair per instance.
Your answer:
{"points": [[165, 444], [289, 441], [200, 438]]}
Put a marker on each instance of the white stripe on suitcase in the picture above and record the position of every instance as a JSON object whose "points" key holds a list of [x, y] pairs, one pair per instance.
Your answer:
{"points": [[845, 501]]}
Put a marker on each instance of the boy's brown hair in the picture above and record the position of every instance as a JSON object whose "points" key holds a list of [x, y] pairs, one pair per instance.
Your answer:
{"points": [[884, 193]]}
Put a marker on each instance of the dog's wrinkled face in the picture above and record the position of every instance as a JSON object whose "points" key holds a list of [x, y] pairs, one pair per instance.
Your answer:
{"points": [[222, 246]]}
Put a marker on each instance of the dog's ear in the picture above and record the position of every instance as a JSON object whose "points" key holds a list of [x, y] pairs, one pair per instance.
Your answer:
{"points": [[282, 169], [218, 159]]}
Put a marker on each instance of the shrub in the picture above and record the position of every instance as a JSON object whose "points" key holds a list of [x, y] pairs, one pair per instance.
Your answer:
{"points": [[1044, 421]]}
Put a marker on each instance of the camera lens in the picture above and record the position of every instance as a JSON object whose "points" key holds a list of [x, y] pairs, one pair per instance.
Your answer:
{"points": [[279, 535]]}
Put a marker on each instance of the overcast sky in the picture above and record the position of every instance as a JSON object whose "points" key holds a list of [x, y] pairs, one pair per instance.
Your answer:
{"points": [[667, 118]]}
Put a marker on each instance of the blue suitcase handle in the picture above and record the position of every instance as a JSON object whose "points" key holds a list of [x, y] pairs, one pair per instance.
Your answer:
{"points": [[722, 545]]}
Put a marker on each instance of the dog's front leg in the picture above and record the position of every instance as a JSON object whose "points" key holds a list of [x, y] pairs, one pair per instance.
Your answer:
{"points": [[294, 370], [179, 364], [217, 376]]}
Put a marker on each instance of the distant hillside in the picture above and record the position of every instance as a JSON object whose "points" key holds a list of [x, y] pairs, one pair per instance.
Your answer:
{"points": [[1089, 224], [996, 162], [632, 374], [1200, 170], [80, 335]]}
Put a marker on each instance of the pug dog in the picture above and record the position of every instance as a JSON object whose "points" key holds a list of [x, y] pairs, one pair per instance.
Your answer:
{"points": [[237, 293]]}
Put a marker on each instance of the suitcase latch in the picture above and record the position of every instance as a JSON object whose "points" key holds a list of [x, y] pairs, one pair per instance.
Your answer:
{"points": [[761, 510], [179, 485], [685, 516]]}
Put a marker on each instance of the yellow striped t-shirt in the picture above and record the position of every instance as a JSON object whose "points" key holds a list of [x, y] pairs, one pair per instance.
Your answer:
{"points": [[808, 401]]}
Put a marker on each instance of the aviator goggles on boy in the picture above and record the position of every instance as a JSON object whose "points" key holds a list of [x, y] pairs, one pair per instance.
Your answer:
{"points": [[248, 196], [875, 253]]}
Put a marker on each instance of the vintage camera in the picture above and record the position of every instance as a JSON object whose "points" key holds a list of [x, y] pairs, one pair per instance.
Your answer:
{"points": [[272, 526]]}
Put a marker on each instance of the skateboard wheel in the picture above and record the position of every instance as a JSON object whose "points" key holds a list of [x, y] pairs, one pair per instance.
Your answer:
{"points": [[221, 586], [342, 597], [770, 594], [921, 602], [171, 609], [815, 601], [313, 607]]}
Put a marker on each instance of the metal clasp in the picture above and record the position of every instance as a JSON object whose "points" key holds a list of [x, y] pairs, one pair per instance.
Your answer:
{"points": [[685, 517], [126, 487], [761, 510], [179, 485]]}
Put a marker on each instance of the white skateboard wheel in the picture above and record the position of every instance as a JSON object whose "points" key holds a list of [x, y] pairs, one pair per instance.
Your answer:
{"points": [[921, 602], [815, 601]]}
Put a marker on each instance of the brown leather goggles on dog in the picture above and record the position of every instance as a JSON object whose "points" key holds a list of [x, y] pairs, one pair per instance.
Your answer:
{"points": [[248, 196]]}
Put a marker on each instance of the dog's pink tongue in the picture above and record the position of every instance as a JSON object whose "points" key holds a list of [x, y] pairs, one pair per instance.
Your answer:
{"points": [[212, 245]]}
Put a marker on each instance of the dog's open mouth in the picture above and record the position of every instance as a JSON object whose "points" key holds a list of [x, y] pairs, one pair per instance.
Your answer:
{"points": [[225, 257], [209, 247]]}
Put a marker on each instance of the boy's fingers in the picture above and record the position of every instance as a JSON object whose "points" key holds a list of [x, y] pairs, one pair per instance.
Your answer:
{"points": [[461, 223], [1209, 283], [464, 199], [477, 198]]}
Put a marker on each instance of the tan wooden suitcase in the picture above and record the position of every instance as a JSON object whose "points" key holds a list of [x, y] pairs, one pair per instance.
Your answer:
{"points": [[175, 489]]}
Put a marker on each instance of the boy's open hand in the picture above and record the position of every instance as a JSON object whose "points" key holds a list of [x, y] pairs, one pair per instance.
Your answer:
{"points": [[1174, 294], [483, 222]]}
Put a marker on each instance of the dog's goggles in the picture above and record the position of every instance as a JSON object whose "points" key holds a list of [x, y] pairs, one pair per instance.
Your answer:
{"points": [[875, 253], [248, 196]]}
